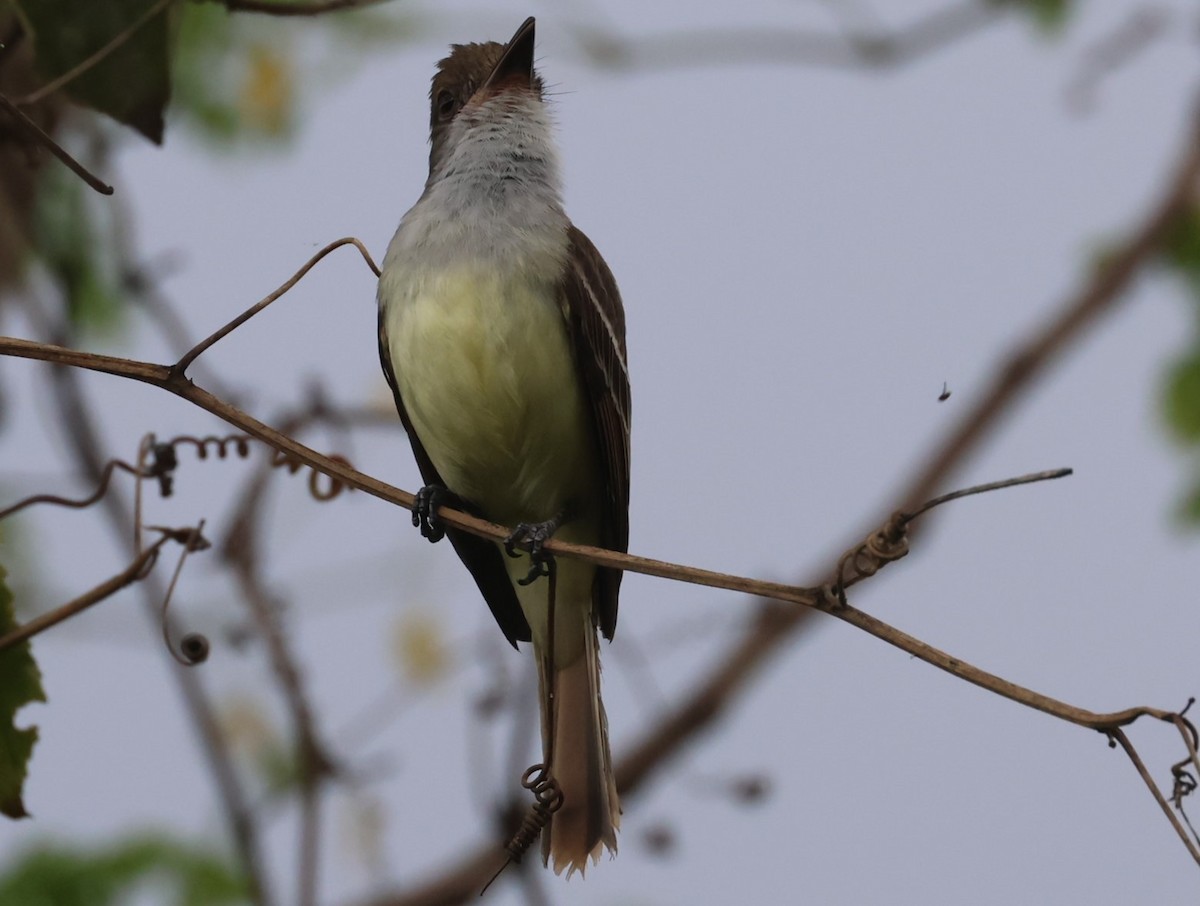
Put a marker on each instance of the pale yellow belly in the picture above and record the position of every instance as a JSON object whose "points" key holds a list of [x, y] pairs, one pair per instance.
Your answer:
{"points": [[486, 374]]}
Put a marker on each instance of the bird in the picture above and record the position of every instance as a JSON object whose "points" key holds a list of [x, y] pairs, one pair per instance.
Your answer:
{"points": [[502, 337]]}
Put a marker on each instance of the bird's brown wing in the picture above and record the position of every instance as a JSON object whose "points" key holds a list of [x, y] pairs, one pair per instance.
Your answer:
{"points": [[596, 320], [481, 557]]}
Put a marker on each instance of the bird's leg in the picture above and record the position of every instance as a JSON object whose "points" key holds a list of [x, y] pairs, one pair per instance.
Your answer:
{"points": [[424, 514], [535, 534]]}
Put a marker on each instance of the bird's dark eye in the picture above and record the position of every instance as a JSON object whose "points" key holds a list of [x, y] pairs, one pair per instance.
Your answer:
{"points": [[447, 104]]}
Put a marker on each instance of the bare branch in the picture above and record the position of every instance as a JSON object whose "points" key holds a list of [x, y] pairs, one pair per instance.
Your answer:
{"points": [[83, 503], [1120, 737], [297, 8], [38, 135], [192, 354], [134, 572], [733, 46], [986, 488]]}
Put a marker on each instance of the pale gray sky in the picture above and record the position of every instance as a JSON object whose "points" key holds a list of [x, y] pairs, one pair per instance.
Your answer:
{"points": [[805, 256]]}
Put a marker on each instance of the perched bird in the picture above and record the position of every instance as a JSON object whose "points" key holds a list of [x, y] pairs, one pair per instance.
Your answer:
{"points": [[502, 336]]}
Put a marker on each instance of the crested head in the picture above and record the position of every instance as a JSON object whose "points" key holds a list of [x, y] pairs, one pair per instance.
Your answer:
{"points": [[494, 190], [475, 73]]}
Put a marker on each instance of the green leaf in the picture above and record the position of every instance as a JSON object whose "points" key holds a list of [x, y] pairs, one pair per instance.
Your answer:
{"points": [[1049, 15], [20, 684], [279, 766], [77, 250], [1182, 398], [1189, 510], [58, 875], [1181, 249], [131, 83]]}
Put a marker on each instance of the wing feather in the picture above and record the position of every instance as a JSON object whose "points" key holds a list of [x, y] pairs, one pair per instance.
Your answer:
{"points": [[596, 321]]}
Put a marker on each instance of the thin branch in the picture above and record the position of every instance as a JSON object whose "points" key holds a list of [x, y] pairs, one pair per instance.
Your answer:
{"points": [[298, 8], [208, 342], [814, 597], [82, 503], [42, 138], [736, 671], [192, 540], [135, 571], [93, 59], [756, 46], [986, 488], [168, 378], [1119, 736]]}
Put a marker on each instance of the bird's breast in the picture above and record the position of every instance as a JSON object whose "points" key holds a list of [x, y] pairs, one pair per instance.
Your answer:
{"points": [[486, 372]]}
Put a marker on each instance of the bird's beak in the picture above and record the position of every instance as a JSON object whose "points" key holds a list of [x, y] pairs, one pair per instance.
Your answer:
{"points": [[516, 65]]}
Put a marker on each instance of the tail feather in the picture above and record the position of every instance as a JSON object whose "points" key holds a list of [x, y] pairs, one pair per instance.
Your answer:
{"points": [[575, 740]]}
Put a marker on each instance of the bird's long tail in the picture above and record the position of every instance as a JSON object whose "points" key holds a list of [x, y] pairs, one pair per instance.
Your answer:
{"points": [[575, 740]]}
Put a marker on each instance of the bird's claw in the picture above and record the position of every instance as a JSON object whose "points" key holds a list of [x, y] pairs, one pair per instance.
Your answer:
{"points": [[535, 534], [424, 514]]}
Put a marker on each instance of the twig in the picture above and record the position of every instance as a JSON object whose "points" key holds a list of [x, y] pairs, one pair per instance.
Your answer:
{"points": [[135, 571], [1120, 737], [732, 46], [93, 59], [83, 503], [170, 379], [737, 670], [985, 488], [192, 540], [40, 136], [192, 354], [299, 8]]}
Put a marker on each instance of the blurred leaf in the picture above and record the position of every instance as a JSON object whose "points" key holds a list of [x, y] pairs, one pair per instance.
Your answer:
{"points": [[235, 78], [420, 649], [1049, 15], [266, 98], [249, 733], [57, 875], [130, 84], [1181, 249], [1181, 390], [1182, 399], [279, 768], [245, 728], [76, 250], [1190, 510], [20, 684], [233, 83]]}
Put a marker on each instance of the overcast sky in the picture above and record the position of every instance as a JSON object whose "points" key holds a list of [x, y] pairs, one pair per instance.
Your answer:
{"points": [[806, 256]]}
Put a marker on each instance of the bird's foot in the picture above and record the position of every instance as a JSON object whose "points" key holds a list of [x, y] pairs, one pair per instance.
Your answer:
{"points": [[535, 534], [424, 514]]}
